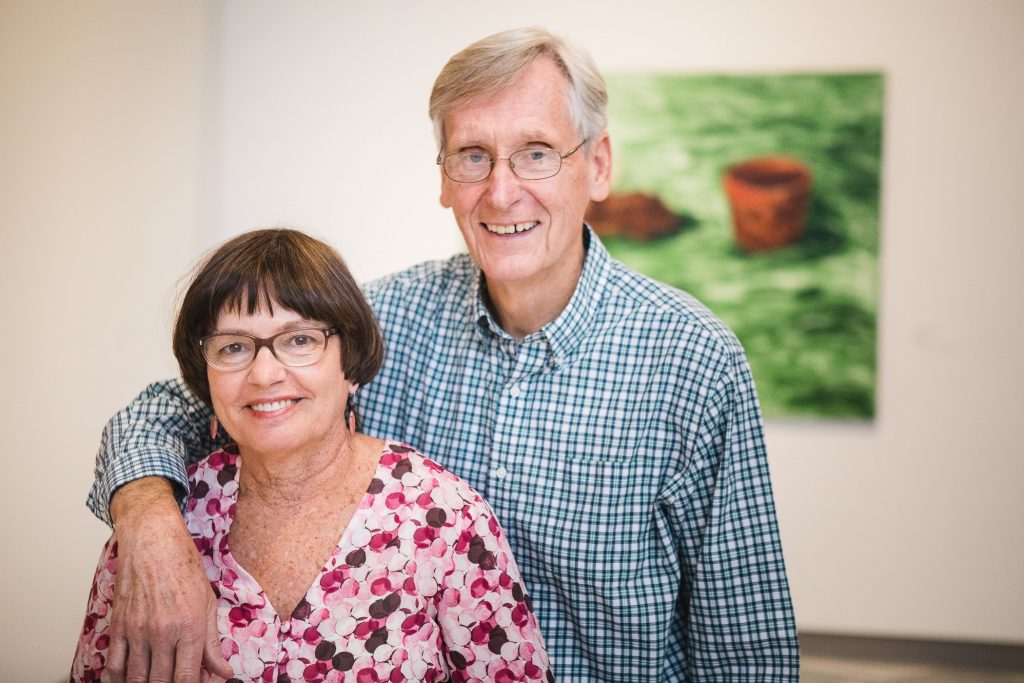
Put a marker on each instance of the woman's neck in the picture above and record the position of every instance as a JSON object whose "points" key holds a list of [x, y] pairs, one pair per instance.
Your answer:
{"points": [[285, 480]]}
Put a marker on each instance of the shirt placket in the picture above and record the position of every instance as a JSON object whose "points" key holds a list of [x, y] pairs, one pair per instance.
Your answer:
{"points": [[525, 360]]}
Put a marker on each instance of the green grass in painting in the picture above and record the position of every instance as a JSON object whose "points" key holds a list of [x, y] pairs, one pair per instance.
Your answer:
{"points": [[806, 313]]}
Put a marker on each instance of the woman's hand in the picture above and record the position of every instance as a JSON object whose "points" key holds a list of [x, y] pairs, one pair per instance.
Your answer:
{"points": [[163, 626]]}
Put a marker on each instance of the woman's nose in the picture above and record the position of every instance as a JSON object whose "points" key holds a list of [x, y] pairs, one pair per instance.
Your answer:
{"points": [[266, 368]]}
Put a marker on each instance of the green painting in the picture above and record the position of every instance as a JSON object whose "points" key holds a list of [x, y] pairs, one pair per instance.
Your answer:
{"points": [[759, 195]]}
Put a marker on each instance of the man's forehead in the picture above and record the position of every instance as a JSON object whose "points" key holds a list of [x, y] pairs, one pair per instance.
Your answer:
{"points": [[534, 109]]}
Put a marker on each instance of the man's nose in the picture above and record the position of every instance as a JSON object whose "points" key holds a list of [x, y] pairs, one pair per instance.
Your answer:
{"points": [[503, 186]]}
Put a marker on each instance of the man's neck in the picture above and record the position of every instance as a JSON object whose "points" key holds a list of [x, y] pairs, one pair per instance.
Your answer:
{"points": [[522, 308]]}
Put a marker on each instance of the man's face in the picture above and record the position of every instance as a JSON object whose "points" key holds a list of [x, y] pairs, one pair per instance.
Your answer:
{"points": [[545, 248]]}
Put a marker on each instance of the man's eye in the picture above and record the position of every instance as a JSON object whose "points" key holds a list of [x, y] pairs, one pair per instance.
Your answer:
{"points": [[475, 158], [537, 155]]}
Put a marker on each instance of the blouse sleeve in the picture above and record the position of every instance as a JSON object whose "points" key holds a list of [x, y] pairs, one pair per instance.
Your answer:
{"points": [[91, 654], [488, 627]]}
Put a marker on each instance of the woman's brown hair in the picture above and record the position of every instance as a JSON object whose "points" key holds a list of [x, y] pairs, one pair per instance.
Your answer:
{"points": [[282, 267]]}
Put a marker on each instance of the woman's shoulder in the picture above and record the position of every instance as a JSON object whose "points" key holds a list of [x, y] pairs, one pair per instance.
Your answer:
{"points": [[221, 466], [212, 487], [402, 463]]}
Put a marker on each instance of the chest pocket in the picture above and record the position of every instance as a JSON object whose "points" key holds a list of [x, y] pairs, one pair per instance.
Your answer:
{"points": [[583, 521]]}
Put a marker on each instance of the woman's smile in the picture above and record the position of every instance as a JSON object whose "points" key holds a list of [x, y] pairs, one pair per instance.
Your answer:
{"points": [[277, 406]]}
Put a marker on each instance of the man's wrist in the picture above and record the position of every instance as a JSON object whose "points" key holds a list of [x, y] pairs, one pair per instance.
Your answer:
{"points": [[143, 497]]}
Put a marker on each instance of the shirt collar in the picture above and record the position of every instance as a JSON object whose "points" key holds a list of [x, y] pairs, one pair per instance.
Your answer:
{"points": [[563, 334]]}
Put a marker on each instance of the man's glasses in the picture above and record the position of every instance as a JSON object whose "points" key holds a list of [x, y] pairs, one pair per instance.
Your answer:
{"points": [[294, 348], [534, 163]]}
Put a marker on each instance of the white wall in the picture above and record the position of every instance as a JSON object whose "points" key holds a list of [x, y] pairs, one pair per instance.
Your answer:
{"points": [[913, 525], [105, 182], [133, 135]]}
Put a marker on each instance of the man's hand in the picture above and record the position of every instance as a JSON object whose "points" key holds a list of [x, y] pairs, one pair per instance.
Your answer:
{"points": [[163, 625]]}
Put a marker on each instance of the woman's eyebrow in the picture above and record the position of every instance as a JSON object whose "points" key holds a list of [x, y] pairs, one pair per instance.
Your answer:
{"points": [[286, 327], [301, 324]]}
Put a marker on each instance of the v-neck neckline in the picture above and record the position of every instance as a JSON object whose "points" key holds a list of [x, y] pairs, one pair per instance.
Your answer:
{"points": [[229, 561]]}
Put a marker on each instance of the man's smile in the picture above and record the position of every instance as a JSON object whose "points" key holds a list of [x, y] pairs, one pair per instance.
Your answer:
{"points": [[510, 228]]}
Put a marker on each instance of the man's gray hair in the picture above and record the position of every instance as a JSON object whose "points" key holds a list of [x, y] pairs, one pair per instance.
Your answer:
{"points": [[491, 65]]}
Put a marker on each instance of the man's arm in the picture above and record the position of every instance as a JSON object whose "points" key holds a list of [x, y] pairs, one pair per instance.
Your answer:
{"points": [[738, 618], [163, 624], [155, 435]]}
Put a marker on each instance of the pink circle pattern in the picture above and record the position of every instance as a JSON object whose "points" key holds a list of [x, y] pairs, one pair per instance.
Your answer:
{"points": [[422, 586]]}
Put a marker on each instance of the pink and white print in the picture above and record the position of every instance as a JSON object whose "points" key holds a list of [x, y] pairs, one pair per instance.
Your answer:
{"points": [[421, 587]]}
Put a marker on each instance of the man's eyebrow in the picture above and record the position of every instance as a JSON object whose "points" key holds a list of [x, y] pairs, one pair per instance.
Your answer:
{"points": [[536, 137], [528, 142], [470, 145]]}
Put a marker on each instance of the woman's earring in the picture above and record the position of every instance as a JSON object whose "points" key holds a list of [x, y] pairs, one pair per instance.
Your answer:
{"points": [[214, 427], [350, 415]]}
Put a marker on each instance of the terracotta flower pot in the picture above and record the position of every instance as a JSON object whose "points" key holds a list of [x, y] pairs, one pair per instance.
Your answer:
{"points": [[635, 215], [769, 198]]}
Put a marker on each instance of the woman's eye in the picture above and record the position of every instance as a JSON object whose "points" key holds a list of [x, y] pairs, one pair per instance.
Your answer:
{"points": [[233, 349], [303, 342]]}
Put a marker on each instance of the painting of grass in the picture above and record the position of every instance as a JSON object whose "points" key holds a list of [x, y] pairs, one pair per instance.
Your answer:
{"points": [[805, 311]]}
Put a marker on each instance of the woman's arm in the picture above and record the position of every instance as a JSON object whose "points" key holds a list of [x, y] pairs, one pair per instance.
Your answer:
{"points": [[487, 622], [162, 617], [135, 628]]}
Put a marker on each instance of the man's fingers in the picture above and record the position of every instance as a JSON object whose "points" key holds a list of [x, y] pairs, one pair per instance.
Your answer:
{"points": [[213, 656], [117, 657], [138, 663], [187, 661], [161, 666]]}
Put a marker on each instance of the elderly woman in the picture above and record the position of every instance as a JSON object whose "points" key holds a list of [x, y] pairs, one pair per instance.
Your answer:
{"points": [[334, 556]]}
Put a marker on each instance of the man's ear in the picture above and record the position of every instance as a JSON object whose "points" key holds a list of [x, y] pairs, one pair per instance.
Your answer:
{"points": [[446, 198], [600, 168]]}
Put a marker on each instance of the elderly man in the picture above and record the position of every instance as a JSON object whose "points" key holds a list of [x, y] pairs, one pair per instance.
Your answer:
{"points": [[611, 421]]}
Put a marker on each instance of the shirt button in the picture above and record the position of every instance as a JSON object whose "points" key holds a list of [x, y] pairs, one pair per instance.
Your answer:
{"points": [[501, 473], [516, 390]]}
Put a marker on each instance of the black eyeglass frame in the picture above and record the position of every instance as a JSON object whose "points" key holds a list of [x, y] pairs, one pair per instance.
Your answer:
{"points": [[269, 343], [441, 158]]}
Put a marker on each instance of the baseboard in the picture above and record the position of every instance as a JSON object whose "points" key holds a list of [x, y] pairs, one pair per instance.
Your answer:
{"points": [[974, 655]]}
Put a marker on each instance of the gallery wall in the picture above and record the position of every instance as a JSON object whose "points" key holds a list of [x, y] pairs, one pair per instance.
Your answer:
{"points": [[909, 525], [105, 183], [137, 134]]}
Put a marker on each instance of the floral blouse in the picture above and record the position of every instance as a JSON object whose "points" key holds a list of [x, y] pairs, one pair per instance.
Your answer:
{"points": [[422, 586]]}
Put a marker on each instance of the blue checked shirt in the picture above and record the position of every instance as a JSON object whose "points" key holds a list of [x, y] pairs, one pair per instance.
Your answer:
{"points": [[621, 447]]}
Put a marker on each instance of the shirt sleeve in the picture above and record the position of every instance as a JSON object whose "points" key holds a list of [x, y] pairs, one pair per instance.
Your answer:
{"points": [[487, 622], [736, 609], [156, 435]]}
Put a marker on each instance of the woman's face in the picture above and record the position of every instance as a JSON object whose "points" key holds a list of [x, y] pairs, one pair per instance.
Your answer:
{"points": [[270, 408]]}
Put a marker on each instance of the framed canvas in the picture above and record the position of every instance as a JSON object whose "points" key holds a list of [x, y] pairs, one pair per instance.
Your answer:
{"points": [[759, 195]]}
